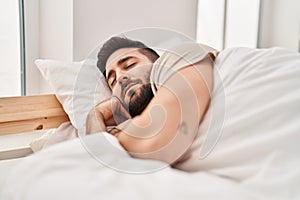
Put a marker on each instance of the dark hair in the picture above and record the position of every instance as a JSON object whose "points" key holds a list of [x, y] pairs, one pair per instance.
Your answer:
{"points": [[115, 43]]}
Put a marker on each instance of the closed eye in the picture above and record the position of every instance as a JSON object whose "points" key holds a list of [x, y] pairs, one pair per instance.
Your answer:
{"points": [[130, 66]]}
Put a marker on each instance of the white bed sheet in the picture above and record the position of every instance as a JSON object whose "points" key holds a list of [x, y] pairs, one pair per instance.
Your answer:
{"points": [[12, 147], [5, 167], [68, 171]]}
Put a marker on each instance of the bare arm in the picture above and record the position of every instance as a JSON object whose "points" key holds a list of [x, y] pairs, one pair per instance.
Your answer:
{"points": [[168, 125], [105, 114]]}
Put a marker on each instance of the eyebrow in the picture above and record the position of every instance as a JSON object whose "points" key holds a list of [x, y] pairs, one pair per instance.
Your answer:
{"points": [[120, 62]]}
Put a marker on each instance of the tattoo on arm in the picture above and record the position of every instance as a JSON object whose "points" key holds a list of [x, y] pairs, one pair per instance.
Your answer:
{"points": [[182, 128]]}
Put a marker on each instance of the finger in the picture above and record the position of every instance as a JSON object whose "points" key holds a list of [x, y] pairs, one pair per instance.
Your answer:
{"points": [[120, 114]]}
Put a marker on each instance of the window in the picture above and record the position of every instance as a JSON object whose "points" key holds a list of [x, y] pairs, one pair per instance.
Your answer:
{"points": [[11, 57]]}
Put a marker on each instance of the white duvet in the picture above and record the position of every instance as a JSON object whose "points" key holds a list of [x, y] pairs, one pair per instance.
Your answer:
{"points": [[255, 157]]}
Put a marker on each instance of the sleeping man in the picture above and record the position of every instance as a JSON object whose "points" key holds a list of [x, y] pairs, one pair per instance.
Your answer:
{"points": [[234, 113], [157, 102]]}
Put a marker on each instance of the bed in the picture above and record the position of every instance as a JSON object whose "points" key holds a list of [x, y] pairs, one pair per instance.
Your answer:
{"points": [[255, 107]]}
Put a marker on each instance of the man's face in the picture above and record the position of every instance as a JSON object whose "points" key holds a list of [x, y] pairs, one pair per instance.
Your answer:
{"points": [[128, 76]]}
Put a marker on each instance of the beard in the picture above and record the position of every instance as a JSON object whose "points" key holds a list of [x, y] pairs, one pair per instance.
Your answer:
{"points": [[139, 100]]}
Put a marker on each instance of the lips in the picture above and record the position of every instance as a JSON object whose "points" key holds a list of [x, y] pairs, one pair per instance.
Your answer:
{"points": [[128, 87]]}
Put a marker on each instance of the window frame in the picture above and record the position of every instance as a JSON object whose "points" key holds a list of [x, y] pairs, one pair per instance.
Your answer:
{"points": [[22, 48]]}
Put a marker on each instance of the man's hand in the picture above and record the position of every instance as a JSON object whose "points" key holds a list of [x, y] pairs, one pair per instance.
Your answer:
{"points": [[95, 122], [107, 113], [120, 114]]}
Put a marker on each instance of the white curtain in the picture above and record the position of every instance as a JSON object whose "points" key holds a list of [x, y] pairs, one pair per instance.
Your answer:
{"points": [[228, 23]]}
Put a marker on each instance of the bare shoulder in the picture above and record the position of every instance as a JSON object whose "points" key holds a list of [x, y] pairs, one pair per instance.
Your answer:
{"points": [[197, 78]]}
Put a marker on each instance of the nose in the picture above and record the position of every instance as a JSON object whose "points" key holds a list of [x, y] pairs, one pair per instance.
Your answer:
{"points": [[123, 79]]}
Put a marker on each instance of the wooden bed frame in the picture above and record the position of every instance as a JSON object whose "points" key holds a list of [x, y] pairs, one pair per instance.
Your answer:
{"points": [[29, 113]]}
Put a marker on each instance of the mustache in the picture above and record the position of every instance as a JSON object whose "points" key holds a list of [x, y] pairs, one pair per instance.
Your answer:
{"points": [[138, 101], [127, 85]]}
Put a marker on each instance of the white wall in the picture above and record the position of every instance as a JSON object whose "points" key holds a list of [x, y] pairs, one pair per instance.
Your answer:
{"points": [[55, 33], [96, 20], [70, 30], [56, 29], [31, 16], [280, 25]]}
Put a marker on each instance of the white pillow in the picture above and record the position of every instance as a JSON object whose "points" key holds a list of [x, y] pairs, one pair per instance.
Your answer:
{"points": [[77, 85]]}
